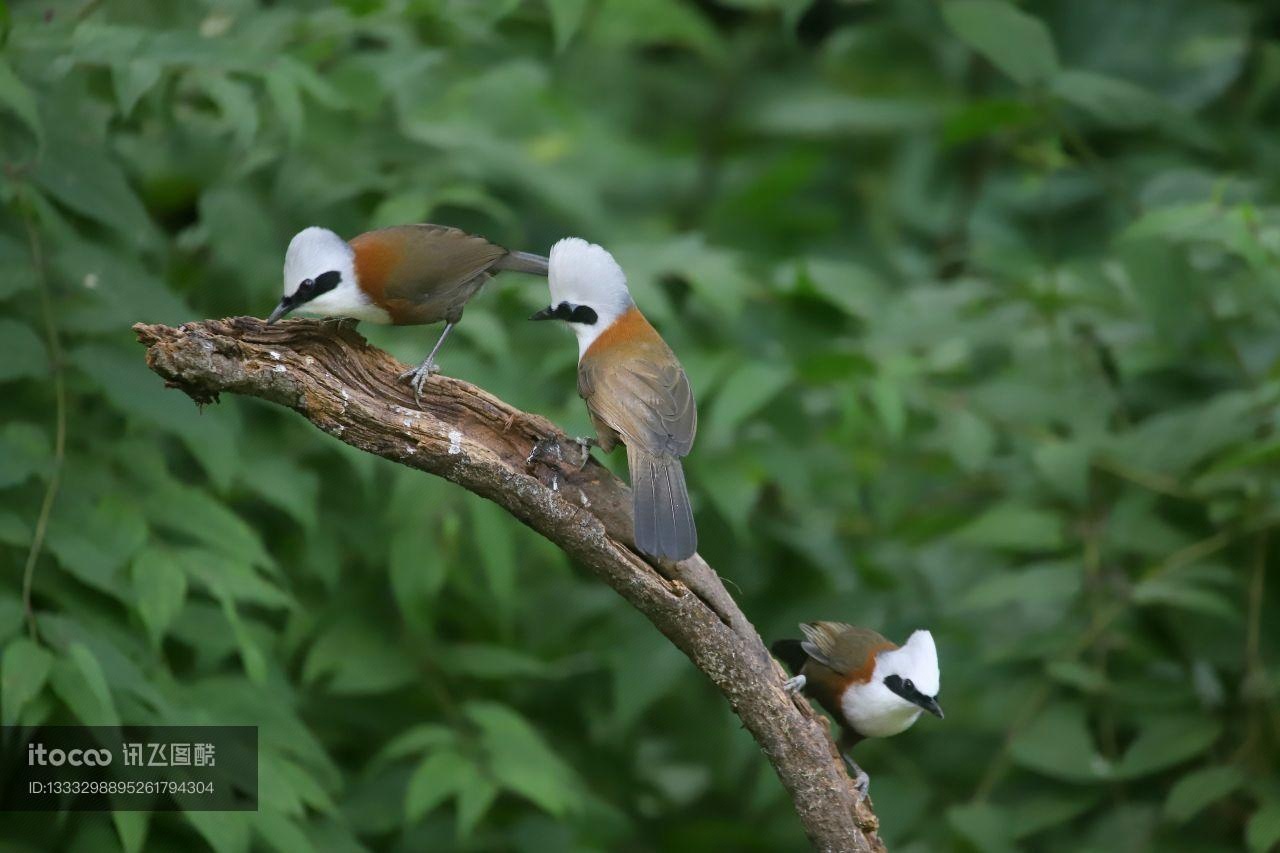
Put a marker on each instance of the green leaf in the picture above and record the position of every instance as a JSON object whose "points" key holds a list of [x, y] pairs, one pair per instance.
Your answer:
{"points": [[853, 288], [520, 759], [11, 618], [356, 659], [1176, 223], [1201, 788], [747, 390], [138, 394], [1012, 526], [276, 791], [1084, 678], [236, 104], [417, 566], [305, 787], [494, 540], [24, 669], [1058, 744], [79, 682], [285, 485], [1052, 584], [19, 99], [1064, 466], [1169, 591], [1015, 42], [645, 670], [218, 574], [984, 825], [476, 794], [821, 114], [399, 208], [424, 737], [282, 833], [114, 290], [24, 452], [15, 259], [437, 778], [86, 178], [969, 438], [131, 827], [225, 832], [480, 660], [1166, 742], [1036, 813], [22, 353], [14, 531], [286, 100], [93, 544], [131, 80], [251, 656], [566, 18], [194, 513], [160, 589], [1110, 100], [886, 397], [1263, 831], [658, 22], [1188, 51]]}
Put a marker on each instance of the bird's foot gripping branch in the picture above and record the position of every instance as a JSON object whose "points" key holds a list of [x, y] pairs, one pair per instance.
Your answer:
{"points": [[347, 388]]}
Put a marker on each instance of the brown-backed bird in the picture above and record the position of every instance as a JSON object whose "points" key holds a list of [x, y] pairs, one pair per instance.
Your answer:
{"points": [[872, 687], [407, 275], [635, 390]]}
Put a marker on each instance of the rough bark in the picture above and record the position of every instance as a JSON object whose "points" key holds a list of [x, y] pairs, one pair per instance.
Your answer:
{"points": [[347, 388]]}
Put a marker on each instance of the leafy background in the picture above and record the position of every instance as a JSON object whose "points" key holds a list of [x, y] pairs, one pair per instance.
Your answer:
{"points": [[982, 307]]}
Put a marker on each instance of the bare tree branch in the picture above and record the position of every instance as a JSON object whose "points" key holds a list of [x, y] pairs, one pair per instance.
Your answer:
{"points": [[349, 389]]}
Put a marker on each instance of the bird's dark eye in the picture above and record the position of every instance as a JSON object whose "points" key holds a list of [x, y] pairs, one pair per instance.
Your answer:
{"points": [[306, 286], [583, 314], [909, 685]]}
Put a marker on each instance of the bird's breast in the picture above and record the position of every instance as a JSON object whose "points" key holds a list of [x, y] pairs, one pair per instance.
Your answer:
{"points": [[629, 335], [873, 710]]}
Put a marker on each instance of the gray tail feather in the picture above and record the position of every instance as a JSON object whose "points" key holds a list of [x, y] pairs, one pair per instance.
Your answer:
{"points": [[664, 519], [523, 262]]}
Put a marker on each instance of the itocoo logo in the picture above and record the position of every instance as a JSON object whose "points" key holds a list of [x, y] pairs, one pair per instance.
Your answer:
{"points": [[37, 754]]}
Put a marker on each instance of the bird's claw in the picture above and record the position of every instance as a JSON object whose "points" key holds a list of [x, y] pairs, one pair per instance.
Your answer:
{"points": [[549, 448], [861, 781], [794, 685], [585, 444], [418, 377], [542, 451]]}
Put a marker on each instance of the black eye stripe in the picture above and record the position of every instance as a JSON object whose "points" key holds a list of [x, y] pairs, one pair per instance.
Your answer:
{"points": [[583, 314], [328, 281], [575, 314], [310, 288], [907, 690]]}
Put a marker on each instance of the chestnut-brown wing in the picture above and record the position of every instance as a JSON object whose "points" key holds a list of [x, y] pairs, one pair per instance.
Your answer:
{"points": [[844, 648], [640, 390], [434, 269]]}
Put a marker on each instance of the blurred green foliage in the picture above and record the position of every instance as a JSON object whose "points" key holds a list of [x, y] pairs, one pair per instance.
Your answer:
{"points": [[981, 304]]}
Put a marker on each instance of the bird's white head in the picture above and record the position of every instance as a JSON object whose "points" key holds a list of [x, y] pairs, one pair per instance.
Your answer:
{"points": [[320, 279], [588, 289], [904, 683], [915, 662]]}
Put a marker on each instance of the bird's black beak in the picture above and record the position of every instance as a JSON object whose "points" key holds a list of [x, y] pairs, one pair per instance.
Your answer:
{"points": [[285, 306], [547, 313], [931, 705]]}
